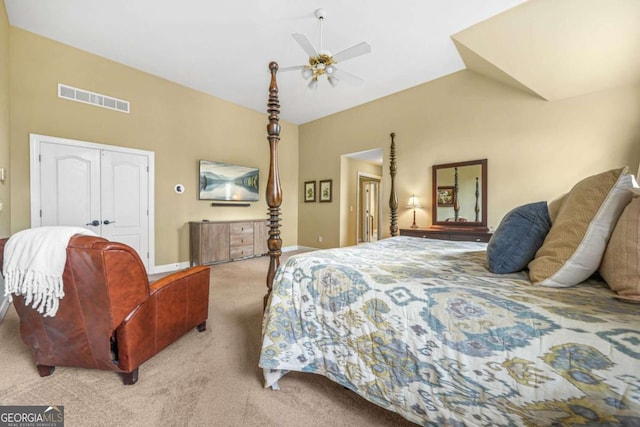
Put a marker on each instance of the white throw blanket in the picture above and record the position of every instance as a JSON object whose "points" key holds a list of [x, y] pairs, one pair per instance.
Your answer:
{"points": [[34, 261]]}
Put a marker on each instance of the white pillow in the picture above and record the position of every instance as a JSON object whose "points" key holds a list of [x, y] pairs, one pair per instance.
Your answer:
{"points": [[576, 242]]}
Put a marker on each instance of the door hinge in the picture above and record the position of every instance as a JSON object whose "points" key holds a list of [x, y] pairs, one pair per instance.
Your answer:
{"points": [[40, 213], [147, 169], [40, 158], [147, 255]]}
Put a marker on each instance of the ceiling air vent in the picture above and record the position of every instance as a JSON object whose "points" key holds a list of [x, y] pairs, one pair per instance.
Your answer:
{"points": [[81, 95]]}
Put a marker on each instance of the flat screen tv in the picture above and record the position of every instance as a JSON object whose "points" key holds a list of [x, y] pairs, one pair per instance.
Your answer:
{"points": [[227, 182]]}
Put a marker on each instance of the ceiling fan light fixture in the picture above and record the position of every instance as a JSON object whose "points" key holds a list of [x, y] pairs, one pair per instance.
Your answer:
{"points": [[313, 84], [322, 63]]}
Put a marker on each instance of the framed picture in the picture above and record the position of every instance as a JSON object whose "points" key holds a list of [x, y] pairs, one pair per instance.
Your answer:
{"points": [[310, 191], [446, 196], [325, 190]]}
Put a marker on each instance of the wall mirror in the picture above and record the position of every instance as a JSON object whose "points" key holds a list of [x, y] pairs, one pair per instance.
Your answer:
{"points": [[459, 195]]}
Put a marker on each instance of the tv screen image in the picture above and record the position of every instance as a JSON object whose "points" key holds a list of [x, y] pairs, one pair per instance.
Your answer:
{"points": [[228, 182]]}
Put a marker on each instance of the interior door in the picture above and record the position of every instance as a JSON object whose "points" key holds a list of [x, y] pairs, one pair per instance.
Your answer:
{"points": [[366, 206], [373, 211], [70, 186], [369, 209], [124, 207], [102, 190]]}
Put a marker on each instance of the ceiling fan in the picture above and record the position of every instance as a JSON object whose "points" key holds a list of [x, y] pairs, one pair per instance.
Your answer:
{"points": [[322, 63]]}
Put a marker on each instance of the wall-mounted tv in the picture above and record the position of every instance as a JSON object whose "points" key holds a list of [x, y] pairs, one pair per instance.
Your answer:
{"points": [[224, 181]]}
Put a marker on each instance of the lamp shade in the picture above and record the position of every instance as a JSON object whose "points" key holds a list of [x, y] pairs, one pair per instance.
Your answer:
{"points": [[306, 73], [413, 202]]}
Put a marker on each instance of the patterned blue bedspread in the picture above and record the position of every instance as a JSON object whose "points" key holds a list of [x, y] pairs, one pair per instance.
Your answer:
{"points": [[422, 328]]}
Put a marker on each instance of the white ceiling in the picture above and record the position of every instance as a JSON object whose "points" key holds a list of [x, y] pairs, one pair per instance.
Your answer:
{"points": [[223, 48]]}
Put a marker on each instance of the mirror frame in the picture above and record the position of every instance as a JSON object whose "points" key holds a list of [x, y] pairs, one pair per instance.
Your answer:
{"points": [[467, 225]]}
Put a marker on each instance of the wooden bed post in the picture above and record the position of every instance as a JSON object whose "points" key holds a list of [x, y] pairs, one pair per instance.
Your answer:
{"points": [[274, 191], [393, 198]]}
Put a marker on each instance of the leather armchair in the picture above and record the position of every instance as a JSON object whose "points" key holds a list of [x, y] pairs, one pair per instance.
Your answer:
{"points": [[111, 317]]}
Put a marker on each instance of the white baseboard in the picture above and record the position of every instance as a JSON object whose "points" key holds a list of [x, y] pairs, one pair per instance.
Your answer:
{"points": [[298, 248], [167, 268], [4, 306]]}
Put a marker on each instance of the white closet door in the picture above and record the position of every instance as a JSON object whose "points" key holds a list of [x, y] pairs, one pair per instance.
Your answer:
{"points": [[125, 200], [70, 186], [89, 185]]}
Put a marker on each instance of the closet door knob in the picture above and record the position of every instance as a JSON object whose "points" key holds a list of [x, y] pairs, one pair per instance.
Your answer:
{"points": [[95, 223], [107, 222]]}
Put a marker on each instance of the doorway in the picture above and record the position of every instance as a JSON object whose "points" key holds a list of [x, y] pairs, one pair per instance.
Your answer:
{"points": [[103, 188], [368, 208]]}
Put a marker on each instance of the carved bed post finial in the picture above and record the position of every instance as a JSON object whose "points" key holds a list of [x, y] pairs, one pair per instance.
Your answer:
{"points": [[274, 191], [393, 198]]}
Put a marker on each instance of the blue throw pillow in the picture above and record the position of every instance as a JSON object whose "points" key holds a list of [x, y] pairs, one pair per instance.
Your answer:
{"points": [[518, 237]]}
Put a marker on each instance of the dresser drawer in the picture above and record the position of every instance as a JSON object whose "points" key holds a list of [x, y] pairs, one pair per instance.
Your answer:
{"points": [[241, 251], [242, 228], [425, 234], [448, 234], [245, 239], [470, 237]]}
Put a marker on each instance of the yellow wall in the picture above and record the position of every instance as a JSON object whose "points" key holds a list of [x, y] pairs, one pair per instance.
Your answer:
{"points": [[5, 214], [536, 149], [179, 124]]}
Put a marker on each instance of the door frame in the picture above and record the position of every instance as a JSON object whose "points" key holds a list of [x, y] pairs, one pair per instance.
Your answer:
{"points": [[368, 177], [34, 176]]}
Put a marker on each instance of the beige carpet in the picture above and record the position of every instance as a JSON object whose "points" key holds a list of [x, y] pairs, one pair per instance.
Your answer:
{"points": [[204, 379]]}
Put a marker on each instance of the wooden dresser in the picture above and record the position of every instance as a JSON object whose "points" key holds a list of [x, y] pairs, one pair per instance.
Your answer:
{"points": [[212, 242], [447, 234]]}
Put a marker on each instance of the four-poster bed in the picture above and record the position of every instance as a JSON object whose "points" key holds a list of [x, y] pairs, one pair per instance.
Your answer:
{"points": [[274, 190], [422, 327]]}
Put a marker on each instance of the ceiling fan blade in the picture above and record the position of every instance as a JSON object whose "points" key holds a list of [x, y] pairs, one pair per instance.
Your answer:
{"points": [[347, 77], [295, 67], [305, 44], [352, 52]]}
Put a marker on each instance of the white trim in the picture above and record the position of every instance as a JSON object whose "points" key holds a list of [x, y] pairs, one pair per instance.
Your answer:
{"points": [[167, 268], [298, 248], [34, 176]]}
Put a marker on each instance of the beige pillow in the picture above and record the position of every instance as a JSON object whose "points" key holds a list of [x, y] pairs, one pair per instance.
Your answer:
{"points": [[621, 262], [573, 249]]}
